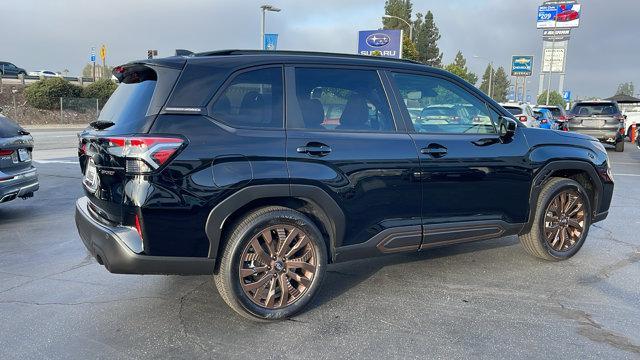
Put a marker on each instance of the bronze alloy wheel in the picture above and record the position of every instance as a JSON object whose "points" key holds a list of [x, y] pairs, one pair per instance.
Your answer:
{"points": [[277, 266], [564, 220]]}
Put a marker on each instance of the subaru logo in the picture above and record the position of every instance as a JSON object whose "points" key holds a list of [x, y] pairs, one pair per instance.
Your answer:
{"points": [[378, 40]]}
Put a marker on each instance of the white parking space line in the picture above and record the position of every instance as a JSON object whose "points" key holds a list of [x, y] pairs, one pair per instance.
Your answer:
{"points": [[635, 175], [55, 162], [625, 163]]}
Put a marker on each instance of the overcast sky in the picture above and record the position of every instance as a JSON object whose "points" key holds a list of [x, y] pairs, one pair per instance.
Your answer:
{"points": [[57, 34]]}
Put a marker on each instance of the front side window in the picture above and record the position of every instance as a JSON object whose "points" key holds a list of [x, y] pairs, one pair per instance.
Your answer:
{"points": [[252, 99], [341, 100], [436, 105]]}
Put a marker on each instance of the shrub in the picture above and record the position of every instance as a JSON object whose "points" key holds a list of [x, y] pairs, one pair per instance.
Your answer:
{"points": [[101, 90], [46, 93]]}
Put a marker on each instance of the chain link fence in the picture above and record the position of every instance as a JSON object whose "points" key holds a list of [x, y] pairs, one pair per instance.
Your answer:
{"points": [[78, 110]]}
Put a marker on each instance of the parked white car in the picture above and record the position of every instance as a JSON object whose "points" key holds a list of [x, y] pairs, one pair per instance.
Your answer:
{"points": [[633, 117], [522, 111], [44, 73]]}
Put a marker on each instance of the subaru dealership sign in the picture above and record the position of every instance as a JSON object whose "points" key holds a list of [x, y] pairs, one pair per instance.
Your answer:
{"points": [[387, 43]]}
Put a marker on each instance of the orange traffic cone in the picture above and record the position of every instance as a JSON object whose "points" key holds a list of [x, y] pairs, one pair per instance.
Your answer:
{"points": [[633, 132]]}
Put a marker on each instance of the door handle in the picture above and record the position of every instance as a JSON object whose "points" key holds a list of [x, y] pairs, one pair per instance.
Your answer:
{"points": [[314, 149], [434, 150]]}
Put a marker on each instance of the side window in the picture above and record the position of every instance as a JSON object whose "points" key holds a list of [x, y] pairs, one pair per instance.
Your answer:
{"points": [[436, 105], [252, 99], [341, 100]]}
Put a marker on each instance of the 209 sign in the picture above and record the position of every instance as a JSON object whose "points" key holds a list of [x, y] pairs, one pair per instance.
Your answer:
{"points": [[566, 15]]}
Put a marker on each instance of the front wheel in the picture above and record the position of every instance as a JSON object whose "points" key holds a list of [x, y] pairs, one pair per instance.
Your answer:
{"points": [[272, 265], [561, 222]]}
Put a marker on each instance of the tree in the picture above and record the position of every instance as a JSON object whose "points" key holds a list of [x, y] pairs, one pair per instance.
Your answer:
{"points": [[104, 72], [501, 83], [409, 50], [426, 39], [488, 73], [46, 93], [626, 88], [401, 9], [555, 98], [459, 67]]}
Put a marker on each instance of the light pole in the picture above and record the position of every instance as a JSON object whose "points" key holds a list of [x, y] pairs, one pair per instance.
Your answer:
{"points": [[265, 8], [403, 20], [490, 71]]}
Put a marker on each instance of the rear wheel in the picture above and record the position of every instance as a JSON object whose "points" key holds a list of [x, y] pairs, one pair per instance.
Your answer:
{"points": [[272, 264], [561, 222], [620, 146]]}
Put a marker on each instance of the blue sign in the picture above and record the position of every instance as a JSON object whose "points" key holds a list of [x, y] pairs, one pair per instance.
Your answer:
{"points": [[521, 65], [386, 43], [270, 42], [92, 57], [566, 95]]}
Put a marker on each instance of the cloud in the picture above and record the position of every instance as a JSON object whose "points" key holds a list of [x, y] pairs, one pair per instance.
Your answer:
{"points": [[601, 53]]}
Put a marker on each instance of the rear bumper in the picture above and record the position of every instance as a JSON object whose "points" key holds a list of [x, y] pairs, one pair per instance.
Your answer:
{"points": [[604, 135], [108, 244], [19, 185]]}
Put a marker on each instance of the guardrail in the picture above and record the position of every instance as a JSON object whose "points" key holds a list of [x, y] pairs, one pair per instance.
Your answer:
{"points": [[28, 78]]}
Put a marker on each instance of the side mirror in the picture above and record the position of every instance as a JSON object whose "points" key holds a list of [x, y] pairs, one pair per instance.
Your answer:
{"points": [[506, 127], [625, 117]]}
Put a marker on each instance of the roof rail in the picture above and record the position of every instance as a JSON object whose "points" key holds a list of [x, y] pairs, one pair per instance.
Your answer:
{"points": [[308, 53]]}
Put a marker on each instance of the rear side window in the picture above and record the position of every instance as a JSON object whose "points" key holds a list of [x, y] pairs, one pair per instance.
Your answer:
{"points": [[341, 100], [590, 109], [252, 99]]}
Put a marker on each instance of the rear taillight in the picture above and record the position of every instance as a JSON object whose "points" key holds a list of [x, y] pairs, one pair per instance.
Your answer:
{"points": [[522, 118], [562, 118], [138, 226], [143, 154], [6, 152]]}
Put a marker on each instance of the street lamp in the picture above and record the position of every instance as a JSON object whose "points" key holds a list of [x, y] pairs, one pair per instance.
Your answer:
{"points": [[490, 70], [265, 8], [403, 20]]}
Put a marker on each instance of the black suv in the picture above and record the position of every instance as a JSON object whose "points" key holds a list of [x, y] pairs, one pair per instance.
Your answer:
{"points": [[228, 163], [7, 68]]}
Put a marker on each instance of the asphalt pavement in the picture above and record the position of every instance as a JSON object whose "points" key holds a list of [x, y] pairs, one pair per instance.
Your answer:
{"points": [[479, 300]]}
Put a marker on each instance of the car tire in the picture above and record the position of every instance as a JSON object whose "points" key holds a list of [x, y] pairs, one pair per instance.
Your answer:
{"points": [[250, 280], [553, 240], [620, 146]]}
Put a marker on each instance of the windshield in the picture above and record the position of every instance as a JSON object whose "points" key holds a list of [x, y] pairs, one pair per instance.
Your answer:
{"points": [[513, 110], [597, 109]]}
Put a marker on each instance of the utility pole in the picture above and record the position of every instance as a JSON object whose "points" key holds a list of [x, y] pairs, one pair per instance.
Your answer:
{"points": [[265, 8], [553, 50], [490, 73]]}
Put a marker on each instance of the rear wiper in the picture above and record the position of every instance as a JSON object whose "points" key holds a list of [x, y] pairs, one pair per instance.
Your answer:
{"points": [[101, 124]]}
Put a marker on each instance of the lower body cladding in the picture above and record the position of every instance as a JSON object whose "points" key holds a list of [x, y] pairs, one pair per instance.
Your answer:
{"points": [[21, 185], [417, 238]]}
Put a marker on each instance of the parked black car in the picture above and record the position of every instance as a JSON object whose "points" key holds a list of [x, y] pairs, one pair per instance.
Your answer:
{"points": [[600, 119], [7, 68], [220, 164], [18, 177]]}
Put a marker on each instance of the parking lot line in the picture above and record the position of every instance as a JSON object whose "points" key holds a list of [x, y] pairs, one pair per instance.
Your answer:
{"points": [[638, 175], [55, 162]]}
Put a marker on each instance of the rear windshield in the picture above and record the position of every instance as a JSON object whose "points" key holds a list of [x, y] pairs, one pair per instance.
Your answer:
{"points": [[8, 128], [514, 110], [128, 105], [554, 111], [587, 109]]}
